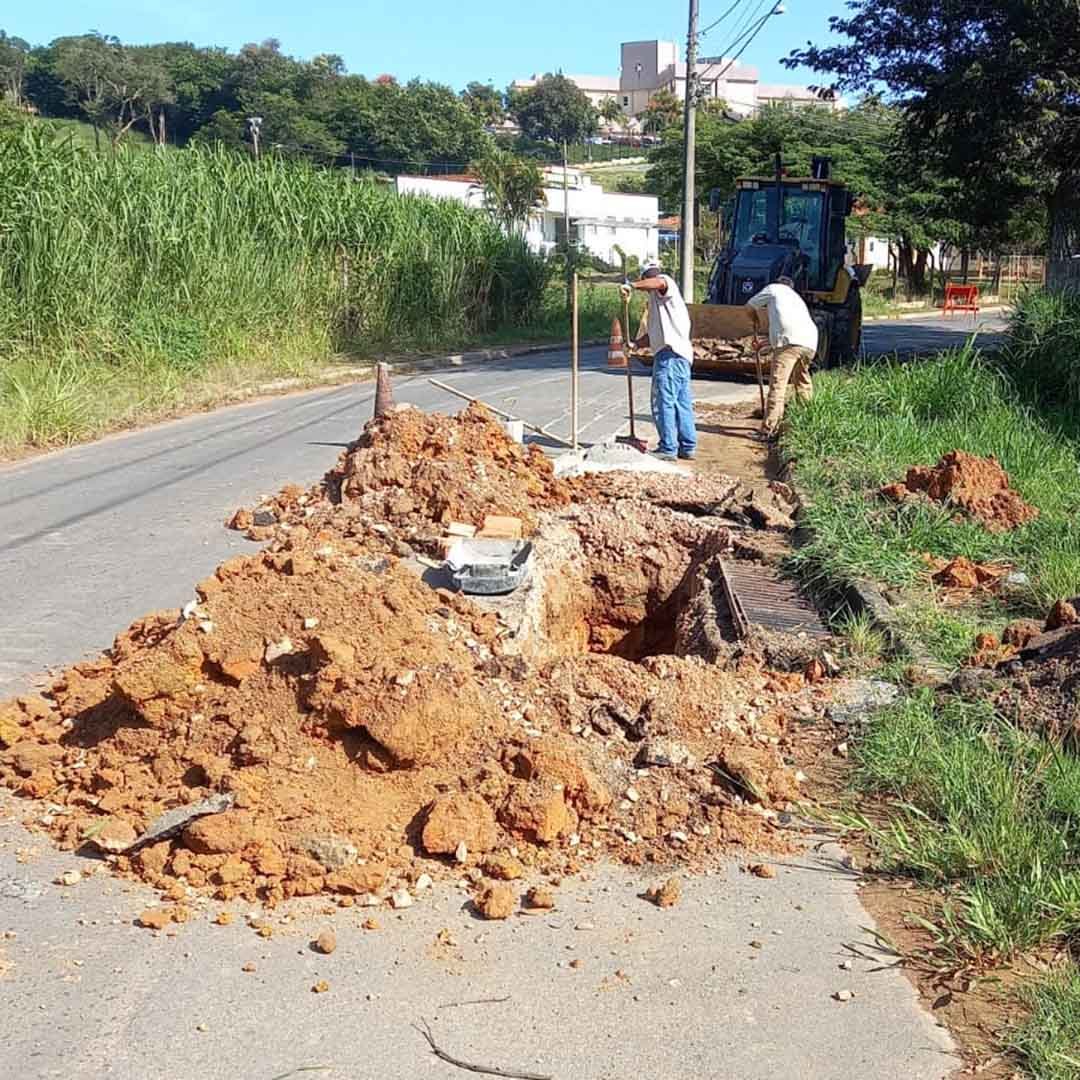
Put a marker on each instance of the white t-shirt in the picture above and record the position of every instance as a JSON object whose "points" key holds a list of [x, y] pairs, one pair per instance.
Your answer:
{"points": [[669, 321], [790, 322]]}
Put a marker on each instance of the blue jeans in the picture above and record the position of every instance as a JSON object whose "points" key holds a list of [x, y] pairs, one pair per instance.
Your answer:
{"points": [[672, 407]]}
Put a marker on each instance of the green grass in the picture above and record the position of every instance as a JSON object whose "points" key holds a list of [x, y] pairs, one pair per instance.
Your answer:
{"points": [[80, 134], [865, 427], [985, 811], [975, 806], [863, 641], [1042, 356], [1049, 1040], [134, 282]]}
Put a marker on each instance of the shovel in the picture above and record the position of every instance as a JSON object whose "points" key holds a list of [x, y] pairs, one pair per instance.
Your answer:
{"points": [[631, 439]]}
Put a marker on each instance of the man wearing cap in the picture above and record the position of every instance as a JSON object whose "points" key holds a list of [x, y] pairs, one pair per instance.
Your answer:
{"points": [[669, 339], [793, 335]]}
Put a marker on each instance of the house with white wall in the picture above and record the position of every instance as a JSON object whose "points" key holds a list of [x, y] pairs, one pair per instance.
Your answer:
{"points": [[601, 222]]}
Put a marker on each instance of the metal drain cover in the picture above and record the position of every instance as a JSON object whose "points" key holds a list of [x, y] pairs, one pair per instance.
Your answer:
{"points": [[758, 596]]}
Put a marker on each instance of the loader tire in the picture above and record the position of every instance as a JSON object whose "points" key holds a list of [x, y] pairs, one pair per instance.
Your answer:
{"points": [[847, 329]]}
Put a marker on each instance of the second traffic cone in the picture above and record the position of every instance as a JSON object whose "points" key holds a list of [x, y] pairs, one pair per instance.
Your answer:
{"points": [[616, 353], [384, 396]]}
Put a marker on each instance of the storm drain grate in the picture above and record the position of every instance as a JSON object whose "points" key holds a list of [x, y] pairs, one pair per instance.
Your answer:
{"points": [[758, 596]]}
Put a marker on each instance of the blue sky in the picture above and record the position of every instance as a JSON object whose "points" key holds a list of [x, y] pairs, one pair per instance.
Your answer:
{"points": [[450, 41]]}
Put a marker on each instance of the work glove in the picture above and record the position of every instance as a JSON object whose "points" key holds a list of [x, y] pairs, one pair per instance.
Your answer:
{"points": [[626, 289]]}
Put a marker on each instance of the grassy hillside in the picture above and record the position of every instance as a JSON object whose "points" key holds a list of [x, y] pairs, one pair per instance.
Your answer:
{"points": [[131, 281]]}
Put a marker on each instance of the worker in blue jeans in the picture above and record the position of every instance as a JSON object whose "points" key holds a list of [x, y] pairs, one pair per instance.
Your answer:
{"points": [[673, 356]]}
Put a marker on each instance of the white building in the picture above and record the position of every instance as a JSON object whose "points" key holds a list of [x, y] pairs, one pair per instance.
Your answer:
{"points": [[648, 67], [600, 221], [597, 88]]}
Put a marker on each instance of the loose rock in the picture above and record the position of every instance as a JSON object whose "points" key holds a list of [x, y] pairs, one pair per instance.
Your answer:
{"points": [[540, 897], [666, 894], [497, 902]]}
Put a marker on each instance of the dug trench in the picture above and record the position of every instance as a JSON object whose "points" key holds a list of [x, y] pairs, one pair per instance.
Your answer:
{"points": [[325, 718]]}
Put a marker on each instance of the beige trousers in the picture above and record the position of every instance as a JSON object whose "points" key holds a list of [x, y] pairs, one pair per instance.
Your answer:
{"points": [[790, 364]]}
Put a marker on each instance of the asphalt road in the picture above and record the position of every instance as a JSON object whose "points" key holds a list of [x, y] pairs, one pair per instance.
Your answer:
{"points": [[97, 535]]}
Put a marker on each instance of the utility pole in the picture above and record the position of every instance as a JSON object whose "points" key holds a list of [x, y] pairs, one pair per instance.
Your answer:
{"points": [[686, 234], [254, 124]]}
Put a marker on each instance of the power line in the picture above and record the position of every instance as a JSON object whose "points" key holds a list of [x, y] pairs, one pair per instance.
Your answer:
{"points": [[744, 28], [753, 32], [717, 22]]}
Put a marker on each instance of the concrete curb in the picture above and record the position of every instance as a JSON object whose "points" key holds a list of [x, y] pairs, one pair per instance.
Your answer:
{"points": [[865, 596], [410, 366]]}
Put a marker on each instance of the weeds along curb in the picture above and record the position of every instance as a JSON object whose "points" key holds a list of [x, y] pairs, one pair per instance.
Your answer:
{"points": [[864, 597]]}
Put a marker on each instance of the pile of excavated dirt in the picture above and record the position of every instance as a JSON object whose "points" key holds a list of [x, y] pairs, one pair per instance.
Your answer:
{"points": [[963, 574], [979, 486], [1042, 671], [320, 720], [417, 472]]}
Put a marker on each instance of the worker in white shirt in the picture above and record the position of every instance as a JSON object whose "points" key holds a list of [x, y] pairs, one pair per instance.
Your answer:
{"points": [[673, 357], [793, 335]]}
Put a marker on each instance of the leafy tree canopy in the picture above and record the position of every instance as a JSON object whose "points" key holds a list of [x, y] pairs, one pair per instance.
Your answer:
{"points": [[513, 187], [484, 102], [309, 108], [555, 109], [664, 110], [990, 93]]}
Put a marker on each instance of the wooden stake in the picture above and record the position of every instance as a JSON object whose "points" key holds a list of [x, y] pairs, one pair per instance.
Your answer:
{"points": [[574, 357], [760, 380]]}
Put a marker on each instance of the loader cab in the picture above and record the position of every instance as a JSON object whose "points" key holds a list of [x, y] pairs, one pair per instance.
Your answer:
{"points": [[809, 224], [780, 226]]}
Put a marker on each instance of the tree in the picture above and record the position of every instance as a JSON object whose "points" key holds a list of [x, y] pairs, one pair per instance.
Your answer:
{"points": [[484, 102], [14, 59], [115, 87], [556, 110], [899, 197], [664, 110], [513, 187], [990, 94], [610, 110]]}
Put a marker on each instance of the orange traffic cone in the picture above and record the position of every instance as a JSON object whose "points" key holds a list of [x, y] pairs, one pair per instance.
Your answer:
{"points": [[616, 353], [384, 396]]}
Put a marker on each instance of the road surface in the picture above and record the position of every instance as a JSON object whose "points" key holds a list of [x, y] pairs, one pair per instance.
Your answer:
{"points": [[94, 536], [97, 535]]}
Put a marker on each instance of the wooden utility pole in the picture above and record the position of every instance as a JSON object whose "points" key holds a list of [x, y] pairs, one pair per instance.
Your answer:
{"points": [[686, 234]]}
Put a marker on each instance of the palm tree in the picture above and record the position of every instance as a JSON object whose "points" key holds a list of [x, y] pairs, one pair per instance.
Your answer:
{"points": [[610, 110], [513, 187]]}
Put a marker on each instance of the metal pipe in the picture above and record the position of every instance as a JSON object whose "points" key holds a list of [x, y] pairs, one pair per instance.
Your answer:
{"points": [[499, 412]]}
